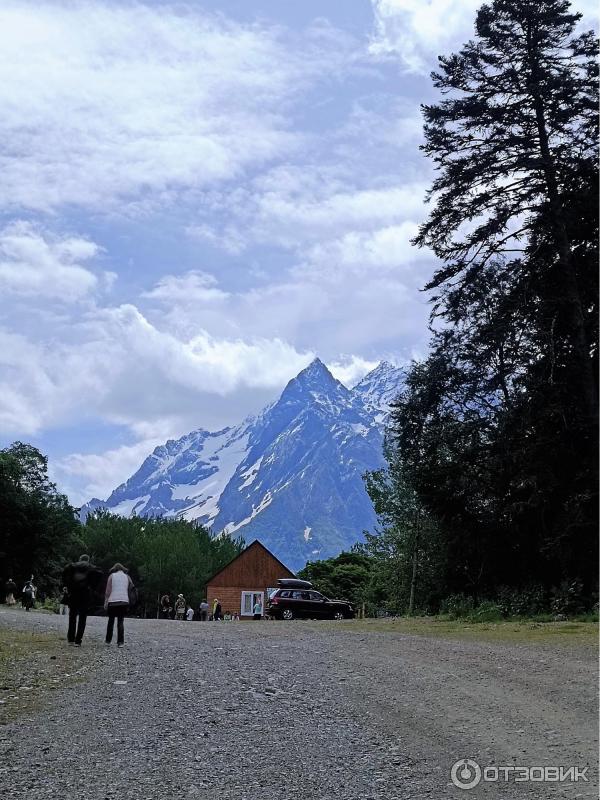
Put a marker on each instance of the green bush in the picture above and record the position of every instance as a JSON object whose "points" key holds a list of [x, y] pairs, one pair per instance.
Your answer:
{"points": [[527, 602], [487, 611], [567, 598], [50, 604], [457, 606]]}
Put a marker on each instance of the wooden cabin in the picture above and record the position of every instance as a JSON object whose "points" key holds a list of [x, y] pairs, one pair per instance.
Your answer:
{"points": [[252, 574]]}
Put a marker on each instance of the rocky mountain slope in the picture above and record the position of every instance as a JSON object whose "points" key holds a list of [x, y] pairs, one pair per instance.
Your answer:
{"points": [[290, 476]]}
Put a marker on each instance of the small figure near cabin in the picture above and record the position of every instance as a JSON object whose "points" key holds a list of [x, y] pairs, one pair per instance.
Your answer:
{"points": [[116, 602], [257, 609], [64, 602], [180, 607], [166, 606], [204, 610], [81, 579], [217, 610], [28, 595], [189, 614], [10, 589]]}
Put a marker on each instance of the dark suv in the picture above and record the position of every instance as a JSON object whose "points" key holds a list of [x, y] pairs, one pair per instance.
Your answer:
{"points": [[296, 598]]}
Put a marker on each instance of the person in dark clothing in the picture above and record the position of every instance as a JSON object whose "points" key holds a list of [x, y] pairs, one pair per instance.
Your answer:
{"points": [[166, 607], [28, 595], [81, 580]]}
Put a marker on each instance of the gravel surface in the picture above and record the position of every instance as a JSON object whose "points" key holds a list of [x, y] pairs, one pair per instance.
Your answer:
{"points": [[265, 710]]}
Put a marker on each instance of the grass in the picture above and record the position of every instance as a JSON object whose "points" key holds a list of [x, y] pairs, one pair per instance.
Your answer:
{"points": [[31, 665], [528, 631]]}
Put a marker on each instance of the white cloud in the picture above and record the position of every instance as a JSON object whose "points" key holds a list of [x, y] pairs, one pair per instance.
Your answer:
{"points": [[350, 369], [121, 368], [105, 103], [192, 287], [417, 31], [86, 475], [365, 254], [35, 263]]}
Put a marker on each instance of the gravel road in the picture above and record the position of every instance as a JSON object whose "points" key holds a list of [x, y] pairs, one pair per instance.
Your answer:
{"points": [[318, 711]]}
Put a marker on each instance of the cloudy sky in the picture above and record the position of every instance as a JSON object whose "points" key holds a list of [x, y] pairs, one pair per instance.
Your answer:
{"points": [[198, 198]]}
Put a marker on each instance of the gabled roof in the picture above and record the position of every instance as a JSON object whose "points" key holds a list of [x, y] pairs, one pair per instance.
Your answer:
{"points": [[255, 543]]}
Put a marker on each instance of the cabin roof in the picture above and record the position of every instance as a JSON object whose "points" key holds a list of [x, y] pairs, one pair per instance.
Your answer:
{"points": [[254, 544]]}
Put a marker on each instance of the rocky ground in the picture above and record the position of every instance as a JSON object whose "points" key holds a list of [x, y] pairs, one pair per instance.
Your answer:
{"points": [[265, 710]]}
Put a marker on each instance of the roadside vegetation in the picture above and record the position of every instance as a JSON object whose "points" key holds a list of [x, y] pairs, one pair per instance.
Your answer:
{"points": [[581, 631], [33, 664]]}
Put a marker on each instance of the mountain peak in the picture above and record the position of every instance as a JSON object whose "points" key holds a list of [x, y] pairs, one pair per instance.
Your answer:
{"points": [[316, 370], [315, 382], [381, 385]]}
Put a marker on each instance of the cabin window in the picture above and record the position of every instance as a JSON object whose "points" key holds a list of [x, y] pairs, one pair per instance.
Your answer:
{"points": [[248, 601]]}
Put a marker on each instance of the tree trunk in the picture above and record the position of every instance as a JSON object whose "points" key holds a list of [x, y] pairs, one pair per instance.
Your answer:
{"points": [[413, 582]]}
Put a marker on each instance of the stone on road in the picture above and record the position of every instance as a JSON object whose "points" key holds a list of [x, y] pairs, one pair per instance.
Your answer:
{"points": [[281, 711]]}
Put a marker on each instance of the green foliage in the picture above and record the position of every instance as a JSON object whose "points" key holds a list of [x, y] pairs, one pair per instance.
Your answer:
{"points": [[487, 611], [345, 577], [162, 555], [457, 606], [50, 604], [39, 529], [408, 543], [528, 602], [568, 598]]}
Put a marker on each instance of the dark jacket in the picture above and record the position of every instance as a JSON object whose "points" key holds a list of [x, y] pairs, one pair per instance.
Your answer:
{"points": [[82, 580]]}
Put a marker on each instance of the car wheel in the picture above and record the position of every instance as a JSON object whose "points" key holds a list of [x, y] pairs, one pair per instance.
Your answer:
{"points": [[338, 615], [287, 613]]}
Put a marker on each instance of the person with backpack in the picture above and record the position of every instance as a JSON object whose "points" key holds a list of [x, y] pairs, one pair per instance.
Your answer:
{"points": [[81, 580], [28, 595], [120, 594]]}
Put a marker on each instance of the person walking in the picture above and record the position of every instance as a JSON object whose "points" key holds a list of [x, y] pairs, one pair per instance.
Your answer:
{"points": [[64, 602], [81, 579], [204, 610], [257, 609], [10, 589], [116, 602], [180, 605], [28, 595], [217, 610]]}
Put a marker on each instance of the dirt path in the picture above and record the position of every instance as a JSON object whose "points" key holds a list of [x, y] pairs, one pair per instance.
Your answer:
{"points": [[261, 711]]}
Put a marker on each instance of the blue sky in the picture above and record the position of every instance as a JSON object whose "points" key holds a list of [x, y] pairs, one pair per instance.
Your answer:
{"points": [[196, 200]]}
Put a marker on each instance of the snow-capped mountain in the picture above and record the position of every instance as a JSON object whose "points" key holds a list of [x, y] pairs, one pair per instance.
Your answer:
{"points": [[290, 476]]}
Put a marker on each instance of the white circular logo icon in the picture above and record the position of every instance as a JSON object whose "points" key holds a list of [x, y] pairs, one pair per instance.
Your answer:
{"points": [[465, 773]]}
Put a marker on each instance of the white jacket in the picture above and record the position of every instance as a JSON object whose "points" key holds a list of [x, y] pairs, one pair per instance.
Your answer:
{"points": [[117, 588]]}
